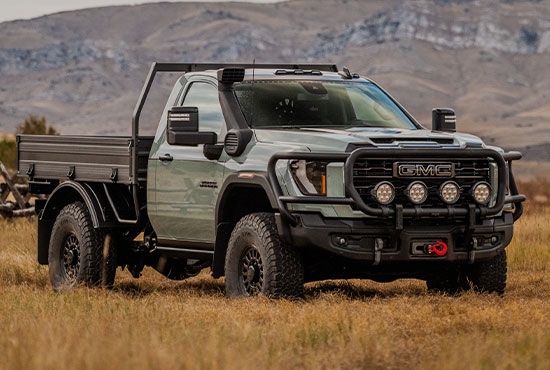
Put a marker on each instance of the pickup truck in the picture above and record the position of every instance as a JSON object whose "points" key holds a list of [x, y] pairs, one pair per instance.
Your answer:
{"points": [[273, 175]]}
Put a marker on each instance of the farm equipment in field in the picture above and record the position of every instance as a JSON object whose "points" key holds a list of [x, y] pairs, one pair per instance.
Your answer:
{"points": [[19, 206]]}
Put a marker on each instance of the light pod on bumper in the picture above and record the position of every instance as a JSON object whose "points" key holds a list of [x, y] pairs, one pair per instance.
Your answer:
{"points": [[417, 192], [384, 192], [482, 192], [449, 192]]}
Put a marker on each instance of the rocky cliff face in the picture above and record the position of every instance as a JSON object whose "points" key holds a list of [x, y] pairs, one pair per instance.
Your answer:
{"points": [[489, 59], [472, 24]]}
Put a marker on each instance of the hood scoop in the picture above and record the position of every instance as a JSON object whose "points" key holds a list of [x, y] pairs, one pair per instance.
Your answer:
{"points": [[407, 142], [413, 140]]}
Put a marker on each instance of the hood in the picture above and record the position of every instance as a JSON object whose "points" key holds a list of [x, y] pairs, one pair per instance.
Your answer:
{"points": [[318, 139]]}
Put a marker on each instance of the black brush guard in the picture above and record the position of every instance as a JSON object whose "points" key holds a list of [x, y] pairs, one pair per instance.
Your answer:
{"points": [[505, 181]]}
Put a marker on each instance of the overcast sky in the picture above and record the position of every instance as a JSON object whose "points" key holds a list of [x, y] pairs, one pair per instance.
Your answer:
{"points": [[24, 9]]}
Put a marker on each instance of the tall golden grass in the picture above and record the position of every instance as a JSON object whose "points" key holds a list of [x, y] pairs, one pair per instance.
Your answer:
{"points": [[154, 323]]}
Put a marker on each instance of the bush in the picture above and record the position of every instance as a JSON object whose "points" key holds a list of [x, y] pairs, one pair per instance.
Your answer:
{"points": [[36, 126], [32, 126], [8, 153]]}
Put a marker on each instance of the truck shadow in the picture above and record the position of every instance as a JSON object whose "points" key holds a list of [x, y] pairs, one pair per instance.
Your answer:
{"points": [[191, 287], [210, 288], [362, 290]]}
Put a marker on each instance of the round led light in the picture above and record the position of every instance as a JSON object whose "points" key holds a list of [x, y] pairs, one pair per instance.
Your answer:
{"points": [[384, 192], [482, 192], [417, 192], [449, 192]]}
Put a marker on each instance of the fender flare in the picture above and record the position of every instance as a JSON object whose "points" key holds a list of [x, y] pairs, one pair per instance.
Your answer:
{"points": [[223, 229], [259, 180], [66, 193]]}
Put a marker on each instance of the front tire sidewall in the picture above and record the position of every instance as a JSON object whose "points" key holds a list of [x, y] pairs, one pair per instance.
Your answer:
{"points": [[239, 245], [283, 270]]}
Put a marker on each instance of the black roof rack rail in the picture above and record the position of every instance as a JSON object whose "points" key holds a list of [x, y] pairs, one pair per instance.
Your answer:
{"points": [[199, 67]]}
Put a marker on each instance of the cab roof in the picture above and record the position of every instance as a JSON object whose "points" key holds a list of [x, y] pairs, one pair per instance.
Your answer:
{"points": [[286, 74]]}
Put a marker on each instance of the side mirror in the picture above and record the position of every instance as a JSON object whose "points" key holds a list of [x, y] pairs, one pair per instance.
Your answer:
{"points": [[443, 119], [183, 128]]}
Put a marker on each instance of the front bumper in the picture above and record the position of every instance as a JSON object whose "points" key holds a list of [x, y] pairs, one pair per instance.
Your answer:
{"points": [[381, 243], [395, 233]]}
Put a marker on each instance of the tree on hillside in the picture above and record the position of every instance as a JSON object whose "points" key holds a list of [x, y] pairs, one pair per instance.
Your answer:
{"points": [[36, 126], [32, 126], [8, 153]]}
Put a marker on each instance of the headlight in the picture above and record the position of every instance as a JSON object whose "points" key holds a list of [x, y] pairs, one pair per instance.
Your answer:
{"points": [[417, 192], [482, 192], [384, 192], [449, 192], [310, 176]]}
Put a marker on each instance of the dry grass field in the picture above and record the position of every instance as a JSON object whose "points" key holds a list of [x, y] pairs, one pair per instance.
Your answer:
{"points": [[154, 323]]}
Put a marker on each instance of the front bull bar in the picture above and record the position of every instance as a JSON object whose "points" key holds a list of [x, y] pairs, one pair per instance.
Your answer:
{"points": [[505, 181]]}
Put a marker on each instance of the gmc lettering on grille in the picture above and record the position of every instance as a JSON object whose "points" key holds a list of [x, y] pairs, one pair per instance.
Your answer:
{"points": [[424, 170]]}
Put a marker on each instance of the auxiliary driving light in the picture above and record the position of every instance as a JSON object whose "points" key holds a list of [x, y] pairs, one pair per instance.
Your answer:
{"points": [[482, 192], [417, 192], [384, 192], [449, 192]]}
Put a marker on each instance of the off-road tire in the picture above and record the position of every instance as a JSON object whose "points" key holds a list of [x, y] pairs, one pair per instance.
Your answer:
{"points": [[281, 270], [490, 275], [451, 280], [94, 251]]}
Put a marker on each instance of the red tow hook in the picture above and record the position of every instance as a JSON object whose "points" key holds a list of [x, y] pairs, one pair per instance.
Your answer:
{"points": [[439, 248]]}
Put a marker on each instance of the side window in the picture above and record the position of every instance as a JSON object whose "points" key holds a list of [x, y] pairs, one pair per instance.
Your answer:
{"points": [[205, 97]]}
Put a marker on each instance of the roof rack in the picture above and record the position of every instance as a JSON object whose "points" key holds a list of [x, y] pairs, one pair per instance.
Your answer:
{"points": [[199, 67]]}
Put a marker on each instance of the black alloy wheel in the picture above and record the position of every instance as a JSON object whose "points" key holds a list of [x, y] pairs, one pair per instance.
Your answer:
{"points": [[252, 271], [71, 257]]}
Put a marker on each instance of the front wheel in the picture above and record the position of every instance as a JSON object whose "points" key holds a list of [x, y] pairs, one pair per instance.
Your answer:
{"points": [[259, 262], [78, 253], [483, 276], [490, 275]]}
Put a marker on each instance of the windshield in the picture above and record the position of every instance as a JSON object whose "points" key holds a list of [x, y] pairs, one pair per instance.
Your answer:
{"points": [[299, 104]]}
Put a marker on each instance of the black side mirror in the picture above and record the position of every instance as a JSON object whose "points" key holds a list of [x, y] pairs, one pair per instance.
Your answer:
{"points": [[443, 119], [183, 128]]}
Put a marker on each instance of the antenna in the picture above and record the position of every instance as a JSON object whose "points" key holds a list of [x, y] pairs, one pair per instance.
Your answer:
{"points": [[253, 93]]}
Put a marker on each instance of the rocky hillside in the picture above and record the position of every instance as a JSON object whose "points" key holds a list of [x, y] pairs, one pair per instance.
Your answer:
{"points": [[489, 59]]}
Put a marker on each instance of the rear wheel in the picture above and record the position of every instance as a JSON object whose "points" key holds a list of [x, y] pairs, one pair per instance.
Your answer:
{"points": [[259, 262], [78, 253]]}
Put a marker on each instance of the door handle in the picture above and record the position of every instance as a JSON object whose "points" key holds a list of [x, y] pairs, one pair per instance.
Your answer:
{"points": [[166, 158]]}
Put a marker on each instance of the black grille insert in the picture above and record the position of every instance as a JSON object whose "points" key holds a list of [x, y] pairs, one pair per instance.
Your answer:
{"points": [[369, 172]]}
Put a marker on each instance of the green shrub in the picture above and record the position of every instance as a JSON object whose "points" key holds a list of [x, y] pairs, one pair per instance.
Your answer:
{"points": [[36, 126], [32, 126], [8, 153]]}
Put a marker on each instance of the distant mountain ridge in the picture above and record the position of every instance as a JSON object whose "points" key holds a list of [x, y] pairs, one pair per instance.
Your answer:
{"points": [[490, 60]]}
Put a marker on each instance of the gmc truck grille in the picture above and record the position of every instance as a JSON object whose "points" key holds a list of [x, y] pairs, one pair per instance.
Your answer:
{"points": [[467, 172]]}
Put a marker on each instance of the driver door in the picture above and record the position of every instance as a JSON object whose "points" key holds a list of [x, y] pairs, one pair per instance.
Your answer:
{"points": [[187, 182]]}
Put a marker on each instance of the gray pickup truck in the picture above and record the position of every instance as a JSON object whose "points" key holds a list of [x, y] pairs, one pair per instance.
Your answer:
{"points": [[273, 176]]}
